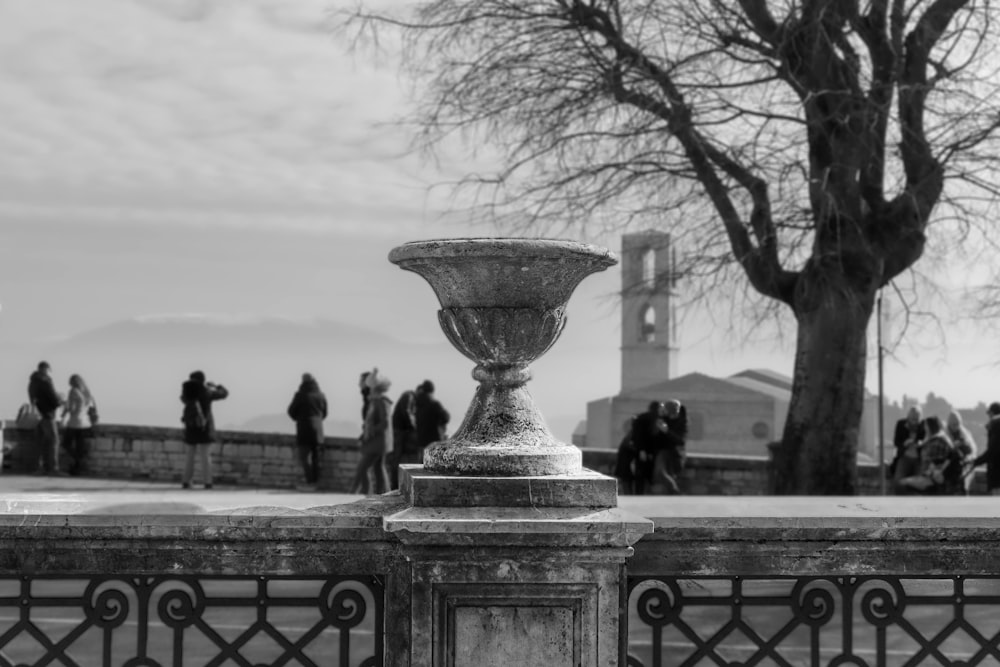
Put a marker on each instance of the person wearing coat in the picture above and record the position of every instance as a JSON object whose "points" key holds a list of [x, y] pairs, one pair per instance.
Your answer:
{"points": [[431, 417], [78, 425], [965, 445], [991, 457], [46, 400], [404, 436], [910, 430], [197, 395], [376, 436], [308, 409]]}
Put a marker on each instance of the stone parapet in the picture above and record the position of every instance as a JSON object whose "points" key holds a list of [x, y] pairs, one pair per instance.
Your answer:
{"points": [[244, 458], [158, 454], [816, 536]]}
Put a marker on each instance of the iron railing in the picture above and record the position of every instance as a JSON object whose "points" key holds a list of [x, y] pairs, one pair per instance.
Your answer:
{"points": [[813, 620], [191, 621]]}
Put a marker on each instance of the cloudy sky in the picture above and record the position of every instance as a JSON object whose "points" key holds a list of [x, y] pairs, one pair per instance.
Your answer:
{"points": [[229, 157]]}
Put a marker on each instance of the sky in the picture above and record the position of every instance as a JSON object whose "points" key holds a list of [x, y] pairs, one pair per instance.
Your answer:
{"points": [[233, 157]]}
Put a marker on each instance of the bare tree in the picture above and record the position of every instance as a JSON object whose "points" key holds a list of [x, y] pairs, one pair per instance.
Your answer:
{"points": [[804, 144]]}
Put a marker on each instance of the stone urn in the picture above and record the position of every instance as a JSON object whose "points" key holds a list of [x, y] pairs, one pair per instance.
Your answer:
{"points": [[503, 304]]}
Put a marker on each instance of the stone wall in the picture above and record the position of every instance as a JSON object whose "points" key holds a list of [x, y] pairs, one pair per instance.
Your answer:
{"points": [[717, 475], [157, 453], [270, 460]]}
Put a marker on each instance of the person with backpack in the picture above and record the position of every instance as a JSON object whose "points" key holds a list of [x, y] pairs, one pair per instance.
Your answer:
{"points": [[197, 395], [46, 400]]}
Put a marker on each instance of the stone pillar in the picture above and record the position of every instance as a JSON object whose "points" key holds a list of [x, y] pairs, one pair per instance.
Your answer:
{"points": [[503, 571], [514, 553]]}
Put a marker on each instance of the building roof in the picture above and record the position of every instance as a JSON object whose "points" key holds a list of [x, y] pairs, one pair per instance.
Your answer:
{"points": [[761, 387], [767, 376], [699, 383]]}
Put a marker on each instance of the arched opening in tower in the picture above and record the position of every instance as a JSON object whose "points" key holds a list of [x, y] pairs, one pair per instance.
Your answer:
{"points": [[649, 268], [647, 324]]}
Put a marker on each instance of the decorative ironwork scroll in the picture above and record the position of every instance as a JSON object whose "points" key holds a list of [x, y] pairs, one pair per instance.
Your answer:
{"points": [[191, 621], [858, 621]]}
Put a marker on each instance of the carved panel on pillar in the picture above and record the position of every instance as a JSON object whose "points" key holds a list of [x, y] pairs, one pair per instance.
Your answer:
{"points": [[511, 624]]}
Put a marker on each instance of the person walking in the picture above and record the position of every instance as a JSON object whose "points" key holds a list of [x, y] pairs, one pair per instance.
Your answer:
{"points": [[432, 418], [46, 400], [197, 395], [991, 457], [404, 436], [308, 409], [78, 417], [376, 436]]}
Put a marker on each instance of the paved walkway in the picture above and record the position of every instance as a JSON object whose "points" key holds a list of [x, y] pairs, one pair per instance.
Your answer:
{"points": [[34, 494]]}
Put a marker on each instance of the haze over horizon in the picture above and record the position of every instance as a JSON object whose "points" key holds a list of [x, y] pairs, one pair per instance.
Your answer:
{"points": [[230, 158]]}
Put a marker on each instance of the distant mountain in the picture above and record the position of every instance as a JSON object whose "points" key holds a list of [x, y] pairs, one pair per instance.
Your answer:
{"points": [[135, 367], [280, 423]]}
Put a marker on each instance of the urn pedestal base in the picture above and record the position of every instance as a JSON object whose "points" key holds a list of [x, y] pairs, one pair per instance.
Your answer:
{"points": [[503, 435], [513, 571]]}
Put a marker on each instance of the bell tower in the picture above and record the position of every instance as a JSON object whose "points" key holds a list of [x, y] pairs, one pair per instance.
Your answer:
{"points": [[648, 329]]}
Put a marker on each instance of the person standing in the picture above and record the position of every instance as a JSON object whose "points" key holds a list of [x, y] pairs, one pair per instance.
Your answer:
{"points": [[404, 436], [626, 460], [432, 418], [909, 431], [366, 391], [670, 451], [376, 436], [197, 395], [43, 396], [965, 446], [308, 409], [991, 457], [78, 415], [646, 429]]}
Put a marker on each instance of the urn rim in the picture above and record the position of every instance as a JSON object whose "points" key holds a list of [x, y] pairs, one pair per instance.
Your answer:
{"points": [[486, 247]]}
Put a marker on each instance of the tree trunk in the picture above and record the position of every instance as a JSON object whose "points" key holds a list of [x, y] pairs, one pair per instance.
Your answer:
{"points": [[818, 452]]}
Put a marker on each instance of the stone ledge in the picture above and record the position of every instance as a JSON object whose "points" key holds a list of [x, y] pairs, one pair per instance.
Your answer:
{"points": [[555, 527], [587, 489], [810, 518]]}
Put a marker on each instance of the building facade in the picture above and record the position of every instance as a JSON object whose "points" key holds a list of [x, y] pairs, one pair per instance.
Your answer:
{"points": [[736, 415]]}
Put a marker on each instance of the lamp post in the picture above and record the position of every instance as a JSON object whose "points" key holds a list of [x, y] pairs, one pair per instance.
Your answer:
{"points": [[881, 398]]}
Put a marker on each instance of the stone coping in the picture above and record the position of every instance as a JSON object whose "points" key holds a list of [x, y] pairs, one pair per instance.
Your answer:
{"points": [[666, 512], [671, 509], [223, 436], [833, 518]]}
